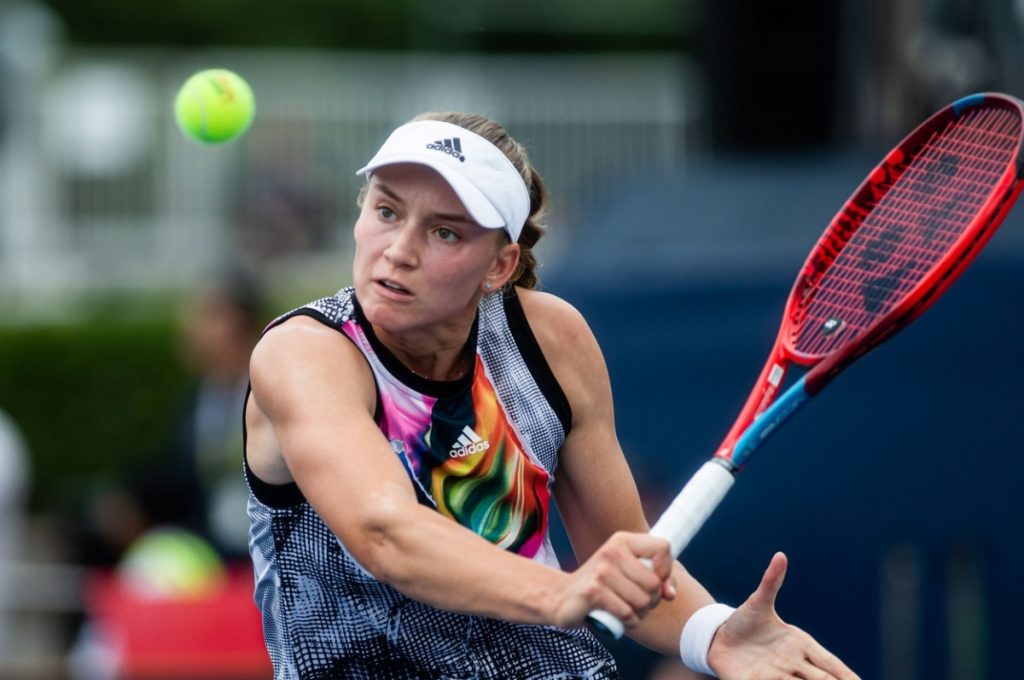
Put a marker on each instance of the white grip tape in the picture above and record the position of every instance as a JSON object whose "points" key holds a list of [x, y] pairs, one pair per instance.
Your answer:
{"points": [[608, 622], [694, 504], [681, 522]]}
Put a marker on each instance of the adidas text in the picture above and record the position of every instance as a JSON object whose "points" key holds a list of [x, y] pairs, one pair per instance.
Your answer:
{"points": [[469, 450]]}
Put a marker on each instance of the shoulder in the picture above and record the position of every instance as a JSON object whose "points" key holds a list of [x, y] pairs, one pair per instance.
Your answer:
{"points": [[302, 355], [555, 322], [569, 346], [297, 340]]}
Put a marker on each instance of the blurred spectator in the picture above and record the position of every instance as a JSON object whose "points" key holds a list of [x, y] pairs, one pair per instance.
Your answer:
{"points": [[5, 104], [282, 209], [195, 480], [220, 325], [164, 570], [14, 474]]}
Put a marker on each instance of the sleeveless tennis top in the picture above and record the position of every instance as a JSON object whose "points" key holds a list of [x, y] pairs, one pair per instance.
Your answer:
{"points": [[481, 450]]}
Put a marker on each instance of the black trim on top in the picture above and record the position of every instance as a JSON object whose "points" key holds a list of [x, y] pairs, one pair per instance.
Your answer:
{"points": [[272, 495], [434, 388], [530, 349]]}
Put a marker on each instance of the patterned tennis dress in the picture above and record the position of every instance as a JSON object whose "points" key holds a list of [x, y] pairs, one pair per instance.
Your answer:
{"points": [[480, 450]]}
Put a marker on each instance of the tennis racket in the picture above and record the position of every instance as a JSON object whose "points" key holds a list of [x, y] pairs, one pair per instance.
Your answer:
{"points": [[905, 235]]}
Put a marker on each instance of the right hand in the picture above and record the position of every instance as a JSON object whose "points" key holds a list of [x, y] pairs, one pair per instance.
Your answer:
{"points": [[755, 643], [627, 577]]}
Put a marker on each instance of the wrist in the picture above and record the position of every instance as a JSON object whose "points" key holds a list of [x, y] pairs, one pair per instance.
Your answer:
{"points": [[698, 633], [547, 599]]}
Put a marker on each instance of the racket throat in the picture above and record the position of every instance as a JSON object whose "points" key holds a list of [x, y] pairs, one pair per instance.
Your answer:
{"points": [[761, 398], [784, 408]]}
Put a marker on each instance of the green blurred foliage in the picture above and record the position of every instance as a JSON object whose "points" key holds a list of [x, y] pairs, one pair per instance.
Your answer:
{"points": [[232, 22], [92, 399], [439, 25]]}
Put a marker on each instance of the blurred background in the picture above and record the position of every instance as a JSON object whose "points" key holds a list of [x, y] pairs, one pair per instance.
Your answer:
{"points": [[694, 150]]}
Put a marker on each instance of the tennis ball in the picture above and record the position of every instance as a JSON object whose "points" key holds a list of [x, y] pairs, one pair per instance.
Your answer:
{"points": [[168, 562], [214, 106]]}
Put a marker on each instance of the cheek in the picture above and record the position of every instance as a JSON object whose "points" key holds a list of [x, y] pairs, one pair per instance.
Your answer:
{"points": [[457, 268], [365, 243], [361, 231]]}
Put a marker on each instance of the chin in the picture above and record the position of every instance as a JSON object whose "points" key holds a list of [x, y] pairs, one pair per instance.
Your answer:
{"points": [[385, 316]]}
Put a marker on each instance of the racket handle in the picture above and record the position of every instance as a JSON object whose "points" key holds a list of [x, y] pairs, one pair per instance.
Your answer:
{"points": [[678, 525], [694, 504]]}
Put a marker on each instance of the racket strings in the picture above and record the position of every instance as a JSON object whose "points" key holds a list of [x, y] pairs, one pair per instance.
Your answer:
{"points": [[918, 210]]}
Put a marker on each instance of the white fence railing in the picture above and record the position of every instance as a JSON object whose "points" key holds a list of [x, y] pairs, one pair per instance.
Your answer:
{"points": [[99, 190]]}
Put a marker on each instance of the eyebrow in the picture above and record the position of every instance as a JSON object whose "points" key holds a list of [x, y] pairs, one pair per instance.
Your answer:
{"points": [[383, 188], [444, 217]]}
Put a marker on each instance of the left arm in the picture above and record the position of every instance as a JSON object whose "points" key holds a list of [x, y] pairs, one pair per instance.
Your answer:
{"points": [[597, 497], [594, 488]]}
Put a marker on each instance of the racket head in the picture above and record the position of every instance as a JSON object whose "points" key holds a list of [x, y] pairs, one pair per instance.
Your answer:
{"points": [[911, 227], [906, 233]]}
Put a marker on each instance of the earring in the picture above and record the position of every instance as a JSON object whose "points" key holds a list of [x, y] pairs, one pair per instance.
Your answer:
{"points": [[488, 285]]}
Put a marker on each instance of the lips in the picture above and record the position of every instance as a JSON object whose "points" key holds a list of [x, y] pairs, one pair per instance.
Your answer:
{"points": [[392, 287]]}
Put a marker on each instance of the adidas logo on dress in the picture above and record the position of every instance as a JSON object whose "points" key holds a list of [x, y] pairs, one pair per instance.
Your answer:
{"points": [[452, 147], [469, 442]]}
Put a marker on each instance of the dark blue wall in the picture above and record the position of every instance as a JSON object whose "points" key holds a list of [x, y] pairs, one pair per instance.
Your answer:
{"points": [[915, 451]]}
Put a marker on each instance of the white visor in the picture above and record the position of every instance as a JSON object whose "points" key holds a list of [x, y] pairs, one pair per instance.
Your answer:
{"points": [[484, 179]]}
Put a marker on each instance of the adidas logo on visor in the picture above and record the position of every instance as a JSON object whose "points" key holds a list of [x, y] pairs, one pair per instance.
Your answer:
{"points": [[452, 147], [486, 182]]}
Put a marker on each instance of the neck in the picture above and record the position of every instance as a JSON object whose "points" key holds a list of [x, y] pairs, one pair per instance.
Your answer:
{"points": [[441, 354], [442, 365], [442, 350]]}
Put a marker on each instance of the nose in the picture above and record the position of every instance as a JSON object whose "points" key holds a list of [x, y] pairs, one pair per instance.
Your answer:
{"points": [[402, 251]]}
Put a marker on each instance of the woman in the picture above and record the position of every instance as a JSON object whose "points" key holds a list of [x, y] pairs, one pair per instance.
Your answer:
{"points": [[404, 438]]}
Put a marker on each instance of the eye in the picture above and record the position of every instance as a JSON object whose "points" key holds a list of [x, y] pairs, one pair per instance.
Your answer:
{"points": [[386, 213], [446, 234]]}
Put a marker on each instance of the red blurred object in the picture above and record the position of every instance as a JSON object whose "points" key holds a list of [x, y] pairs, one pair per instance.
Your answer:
{"points": [[218, 636]]}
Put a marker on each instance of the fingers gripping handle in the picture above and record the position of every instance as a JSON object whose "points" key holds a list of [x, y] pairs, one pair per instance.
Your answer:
{"points": [[679, 524]]}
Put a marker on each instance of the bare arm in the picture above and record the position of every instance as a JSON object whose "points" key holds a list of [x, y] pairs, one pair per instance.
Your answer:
{"points": [[311, 421], [594, 487], [597, 496]]}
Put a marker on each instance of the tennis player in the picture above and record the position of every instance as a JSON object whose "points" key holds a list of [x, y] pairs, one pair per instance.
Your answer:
{"points": [[406, 436]]}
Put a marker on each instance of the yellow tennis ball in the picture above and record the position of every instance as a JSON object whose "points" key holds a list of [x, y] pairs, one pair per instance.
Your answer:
{"points": [[168, 562], [215, 105]]}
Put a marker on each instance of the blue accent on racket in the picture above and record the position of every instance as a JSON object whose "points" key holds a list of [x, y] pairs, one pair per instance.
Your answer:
{"points": [[785, 406], [967, 102]]}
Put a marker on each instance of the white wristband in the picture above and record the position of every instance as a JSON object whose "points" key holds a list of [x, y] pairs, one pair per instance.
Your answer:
{"points": [[698, 632]]}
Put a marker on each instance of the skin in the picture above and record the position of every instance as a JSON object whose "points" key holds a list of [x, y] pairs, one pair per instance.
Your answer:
{"points": [[421, 266]]}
